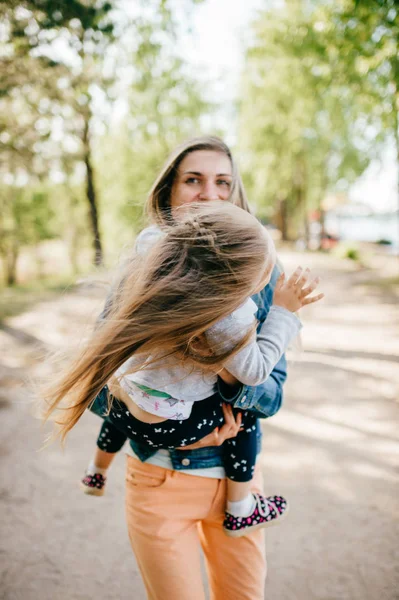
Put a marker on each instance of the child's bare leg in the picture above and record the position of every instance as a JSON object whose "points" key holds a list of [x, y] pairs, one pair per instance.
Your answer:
{"points": [[109, 442], [93, 482], [102, 459]]}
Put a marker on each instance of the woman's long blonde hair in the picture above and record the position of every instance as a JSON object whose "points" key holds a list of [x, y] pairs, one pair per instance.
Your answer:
{"points": [[200, 270], [158, 201]]}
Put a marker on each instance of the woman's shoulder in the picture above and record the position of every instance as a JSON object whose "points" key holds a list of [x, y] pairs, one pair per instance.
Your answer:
{"points": [[234, 325], [245, 313], [147, 238]]}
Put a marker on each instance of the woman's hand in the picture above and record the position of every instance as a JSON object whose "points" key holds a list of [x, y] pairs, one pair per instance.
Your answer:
{"points": [[294, 292], [229, 429]]}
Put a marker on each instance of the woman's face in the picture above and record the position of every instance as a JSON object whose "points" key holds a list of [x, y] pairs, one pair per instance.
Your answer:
{"points": [[202, 175]]}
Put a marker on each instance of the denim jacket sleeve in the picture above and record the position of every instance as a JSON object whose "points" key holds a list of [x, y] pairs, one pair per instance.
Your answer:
{"points": [[265, 399]]}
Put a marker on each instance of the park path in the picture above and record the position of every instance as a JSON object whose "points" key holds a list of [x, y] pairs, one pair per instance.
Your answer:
{"points": [[332, 450]]}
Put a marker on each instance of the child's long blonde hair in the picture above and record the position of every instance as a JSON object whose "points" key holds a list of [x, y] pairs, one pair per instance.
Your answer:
{"points": [[200, 270]]}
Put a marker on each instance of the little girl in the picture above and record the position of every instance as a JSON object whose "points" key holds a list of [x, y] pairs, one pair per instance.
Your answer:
{"points": [[194, 280]]}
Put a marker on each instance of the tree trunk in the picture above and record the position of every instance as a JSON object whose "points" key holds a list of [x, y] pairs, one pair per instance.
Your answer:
{"points": [[300, 191], [72, 231], [282, 216], [73, 249], [302, 205], [91, 195], [322, 224], [11, 265], [396, 138]]}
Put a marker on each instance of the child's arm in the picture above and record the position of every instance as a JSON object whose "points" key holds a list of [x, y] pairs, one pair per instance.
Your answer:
{"points": [[253, 364], [265, 399], [227, 377]]}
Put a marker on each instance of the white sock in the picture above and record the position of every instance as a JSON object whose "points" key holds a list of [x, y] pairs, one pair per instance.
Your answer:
{"points": [[242, 508], [92, 469]]}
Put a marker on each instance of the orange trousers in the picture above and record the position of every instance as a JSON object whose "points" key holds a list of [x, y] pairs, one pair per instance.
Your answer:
{"points": [[169, 516]]}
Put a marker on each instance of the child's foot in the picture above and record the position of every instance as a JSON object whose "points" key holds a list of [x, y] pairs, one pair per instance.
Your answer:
{"points": [[93, 483], [266, 512]]}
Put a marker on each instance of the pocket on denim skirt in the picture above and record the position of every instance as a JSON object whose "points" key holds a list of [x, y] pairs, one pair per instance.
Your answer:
{"points": [[142, 475]]}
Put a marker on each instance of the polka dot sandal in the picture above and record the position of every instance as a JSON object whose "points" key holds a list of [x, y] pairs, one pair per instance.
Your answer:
{"points": [[93, 484], [268, 511]]}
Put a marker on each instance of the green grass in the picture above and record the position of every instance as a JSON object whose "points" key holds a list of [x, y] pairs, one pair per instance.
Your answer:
{"points": [[383, 282], [348, 251], [19, 298]]}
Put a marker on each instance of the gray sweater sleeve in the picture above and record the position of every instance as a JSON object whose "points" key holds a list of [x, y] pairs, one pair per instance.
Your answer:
{"points": [[253, 364]]}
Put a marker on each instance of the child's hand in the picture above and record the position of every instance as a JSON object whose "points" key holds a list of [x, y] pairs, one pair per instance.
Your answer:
{"points": [[294, 293]]}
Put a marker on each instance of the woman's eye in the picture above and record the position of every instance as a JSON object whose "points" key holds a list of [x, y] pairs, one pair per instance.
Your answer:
{"points": [[224, 182], [192, 180]]}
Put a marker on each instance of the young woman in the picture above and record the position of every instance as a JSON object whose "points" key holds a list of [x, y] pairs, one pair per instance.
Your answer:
{"points": [[169, 511], [195, 281]]}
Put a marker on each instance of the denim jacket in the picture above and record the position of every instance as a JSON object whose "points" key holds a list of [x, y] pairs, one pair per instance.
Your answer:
{"points": [[265, 400]]}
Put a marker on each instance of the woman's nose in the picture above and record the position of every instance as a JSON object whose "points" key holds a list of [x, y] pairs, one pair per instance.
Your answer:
{"points": [[209, 192]]}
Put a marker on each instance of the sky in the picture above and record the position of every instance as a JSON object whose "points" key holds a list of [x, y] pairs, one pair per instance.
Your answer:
{"points": [[378, 187], [217, 45]]}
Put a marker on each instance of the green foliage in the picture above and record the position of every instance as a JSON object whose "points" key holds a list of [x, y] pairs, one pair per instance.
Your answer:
{"points": [[352, 254], [59, 119], [42, 93], [319, 100], [165, 106], [26, 218], [32, 21], [349, 251]]}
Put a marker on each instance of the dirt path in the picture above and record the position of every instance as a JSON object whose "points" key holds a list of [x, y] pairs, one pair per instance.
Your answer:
{"points": [[332, 450]]}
